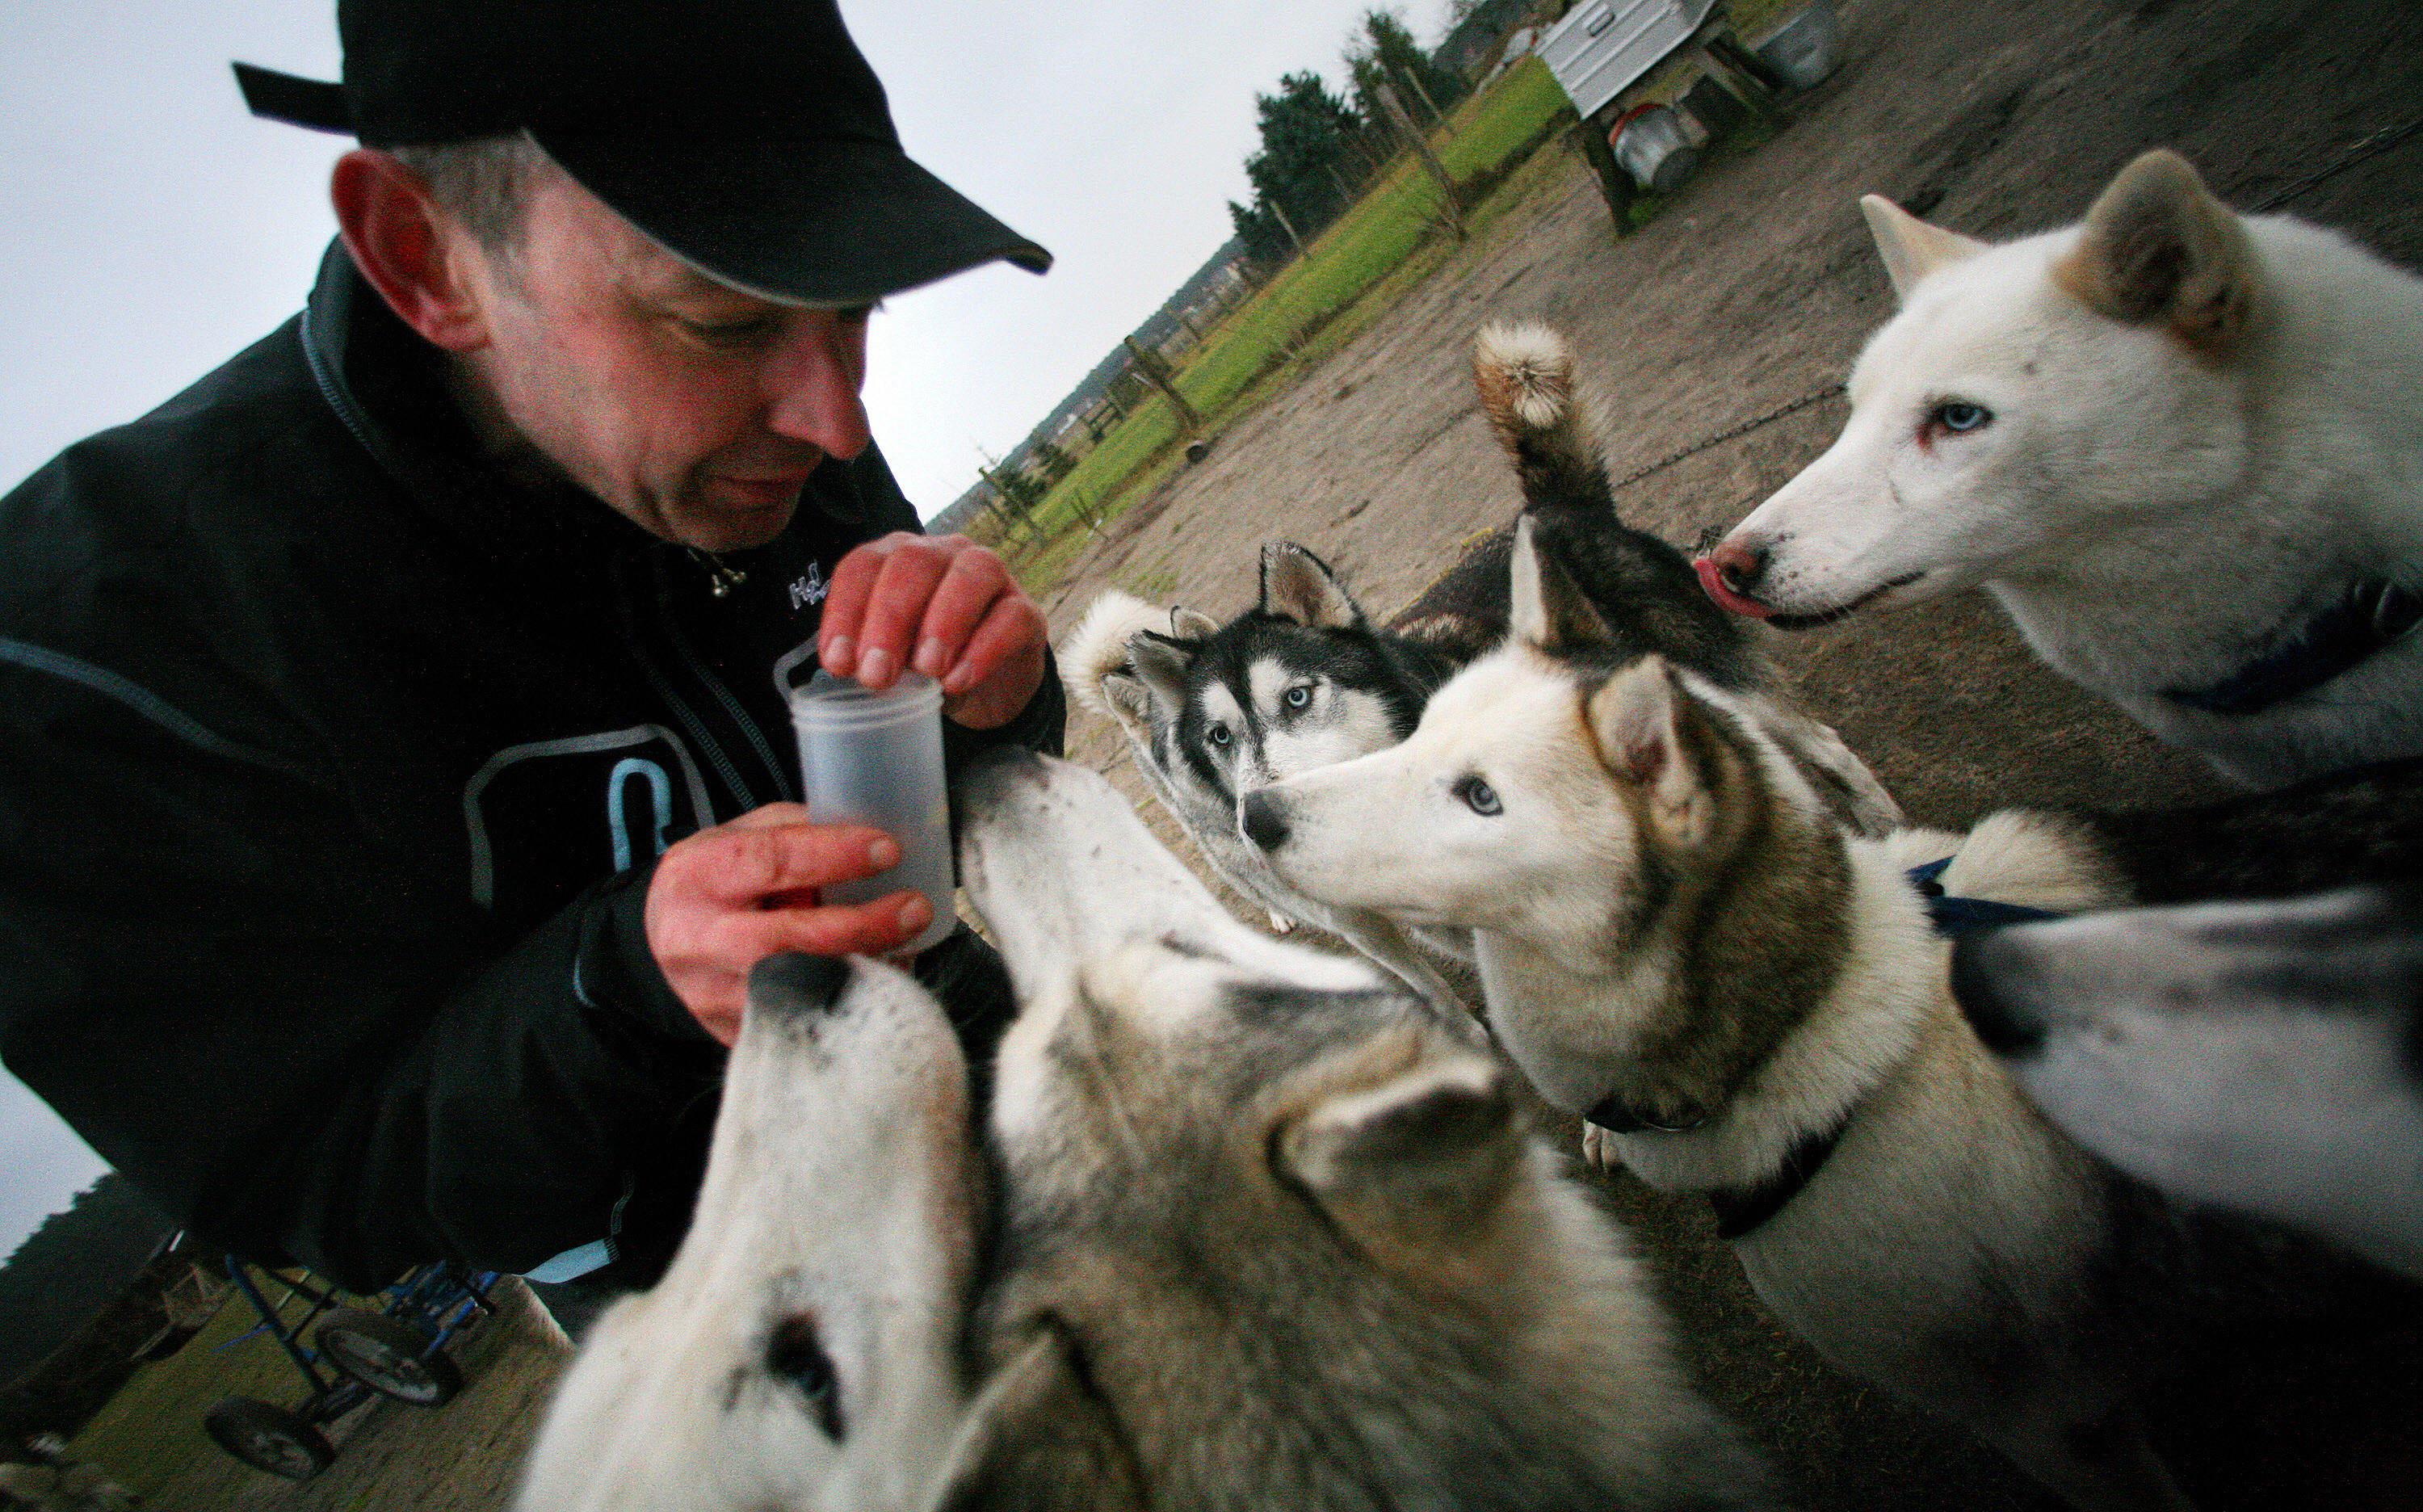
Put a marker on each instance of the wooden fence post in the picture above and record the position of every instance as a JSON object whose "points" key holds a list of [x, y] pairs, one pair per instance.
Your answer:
{"points": [[1421, 146]]}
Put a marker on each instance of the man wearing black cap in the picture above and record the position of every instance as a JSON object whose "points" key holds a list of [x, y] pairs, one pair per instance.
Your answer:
{"points": [[392, 748]]}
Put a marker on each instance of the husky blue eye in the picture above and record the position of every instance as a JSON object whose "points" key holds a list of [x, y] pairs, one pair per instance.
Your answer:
{"points": [[1217, 735], [1960, 415], [1300, 696], [1479, 796]]}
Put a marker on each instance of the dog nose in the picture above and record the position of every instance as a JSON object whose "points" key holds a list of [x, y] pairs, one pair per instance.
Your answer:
{"points": [[1987, 973], [1730, 573], [1266, 824], [1738, 564], [794, 983]]}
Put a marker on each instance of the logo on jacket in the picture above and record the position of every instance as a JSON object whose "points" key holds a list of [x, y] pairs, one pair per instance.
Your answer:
{"points": [[809, 588]]}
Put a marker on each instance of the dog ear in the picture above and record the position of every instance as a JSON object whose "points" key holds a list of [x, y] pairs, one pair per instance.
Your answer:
{"points": [[1130, 704], [1911, 249], [1300, 586], [1548, 608], [2157, 247], [1037, 1439], [1415, 1162], [1161, 662], [1642, 719], [1191, 623]]}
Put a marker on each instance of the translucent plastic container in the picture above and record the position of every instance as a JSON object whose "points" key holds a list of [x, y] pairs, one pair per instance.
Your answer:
{"points": [[875, 758]]}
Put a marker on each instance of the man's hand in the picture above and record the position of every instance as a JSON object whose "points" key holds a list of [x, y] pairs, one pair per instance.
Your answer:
{"points": [[940, 605], [727, 898]]}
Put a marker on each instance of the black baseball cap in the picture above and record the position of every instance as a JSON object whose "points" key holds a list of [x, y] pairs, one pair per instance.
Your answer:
{"points": [[749, 136]]}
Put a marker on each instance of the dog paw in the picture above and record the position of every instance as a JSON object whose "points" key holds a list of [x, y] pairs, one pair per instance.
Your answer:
{"points": [[1280, 923]]}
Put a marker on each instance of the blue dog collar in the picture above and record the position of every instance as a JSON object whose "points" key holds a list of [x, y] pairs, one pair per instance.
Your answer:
{"points": [[2369, 617], [1955, 916]]}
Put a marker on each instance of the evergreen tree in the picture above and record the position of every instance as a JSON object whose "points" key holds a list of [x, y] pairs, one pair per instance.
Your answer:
{"points": [[1306, 167], [1386, 52]]}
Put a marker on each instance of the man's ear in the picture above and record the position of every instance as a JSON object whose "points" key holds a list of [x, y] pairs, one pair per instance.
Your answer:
{"points": [[406, 248]]}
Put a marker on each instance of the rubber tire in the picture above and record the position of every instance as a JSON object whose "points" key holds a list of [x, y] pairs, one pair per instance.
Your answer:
{"points": [[385, 1354], [269, 1438]]}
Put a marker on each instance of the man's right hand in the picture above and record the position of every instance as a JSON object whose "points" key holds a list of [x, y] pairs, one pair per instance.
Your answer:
{"points": [[726, 898]]}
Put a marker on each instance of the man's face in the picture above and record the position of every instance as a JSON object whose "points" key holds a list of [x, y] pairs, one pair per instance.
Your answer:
{"points": [[693, 409]]}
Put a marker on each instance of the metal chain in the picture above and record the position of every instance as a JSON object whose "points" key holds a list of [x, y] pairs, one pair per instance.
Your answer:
{"points": [[2371, 146], [1721, 437], [2379, 142]]}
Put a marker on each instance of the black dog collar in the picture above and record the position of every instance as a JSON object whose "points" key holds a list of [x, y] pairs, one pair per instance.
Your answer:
{"points": [[2368, 618]]}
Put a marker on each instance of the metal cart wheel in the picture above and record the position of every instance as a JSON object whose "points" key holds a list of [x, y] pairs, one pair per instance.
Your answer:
{"points": [[388, 1355], [269, 1438]]}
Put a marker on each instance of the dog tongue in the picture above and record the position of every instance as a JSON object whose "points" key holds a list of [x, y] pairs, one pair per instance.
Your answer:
{"points": [[1714, 581]]}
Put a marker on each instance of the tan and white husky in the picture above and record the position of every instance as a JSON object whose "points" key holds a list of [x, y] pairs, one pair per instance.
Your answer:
{"points": [[2183, 448], [1678, 944]]}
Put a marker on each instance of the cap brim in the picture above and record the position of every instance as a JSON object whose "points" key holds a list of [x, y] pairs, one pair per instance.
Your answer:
{"points": [[825, 222]]}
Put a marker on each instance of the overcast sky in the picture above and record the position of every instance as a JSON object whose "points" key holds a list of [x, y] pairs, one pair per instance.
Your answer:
{"points": [[149, 229]]}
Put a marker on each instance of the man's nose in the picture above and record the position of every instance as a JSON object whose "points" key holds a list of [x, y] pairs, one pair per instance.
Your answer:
{"points": [[812, 380]]}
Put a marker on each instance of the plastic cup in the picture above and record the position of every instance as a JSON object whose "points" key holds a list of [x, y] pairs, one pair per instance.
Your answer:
{"points": [[869, 757]]}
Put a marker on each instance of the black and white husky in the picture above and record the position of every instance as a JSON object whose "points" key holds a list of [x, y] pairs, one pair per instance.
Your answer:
{"points": [[1304, 679], [1300, 680], [2262, 1056]]}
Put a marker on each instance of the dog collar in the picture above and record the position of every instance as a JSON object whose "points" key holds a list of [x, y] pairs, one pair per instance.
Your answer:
{"points": [[1955, 917], [1741, 1209], [2368, 618]]}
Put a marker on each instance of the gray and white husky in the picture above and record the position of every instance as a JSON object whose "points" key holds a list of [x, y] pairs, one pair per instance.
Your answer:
{"points": [[2261, 1057], [1677, 942], [1304, 679], [803, 1353], [1274, 1235], [2183, 448]]}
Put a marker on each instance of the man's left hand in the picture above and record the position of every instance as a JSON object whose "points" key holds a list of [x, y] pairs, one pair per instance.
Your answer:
{"points": [[940, 605]]}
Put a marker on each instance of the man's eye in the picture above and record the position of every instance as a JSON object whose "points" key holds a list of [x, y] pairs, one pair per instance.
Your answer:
{"points": [[750, 332]]}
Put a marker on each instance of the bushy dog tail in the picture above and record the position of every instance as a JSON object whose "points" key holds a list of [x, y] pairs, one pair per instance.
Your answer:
{"points": [[1524, 374], [1099, 647]]}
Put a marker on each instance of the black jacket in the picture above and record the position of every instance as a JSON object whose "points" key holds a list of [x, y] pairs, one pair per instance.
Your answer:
{"points": [[332, 768]]}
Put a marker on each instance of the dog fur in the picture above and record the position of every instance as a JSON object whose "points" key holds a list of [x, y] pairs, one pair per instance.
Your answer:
{"points": [[1205, 707], [1675, 940], [804, 1350], [2266, 1058], [1272, 1236], [2167, 441]]}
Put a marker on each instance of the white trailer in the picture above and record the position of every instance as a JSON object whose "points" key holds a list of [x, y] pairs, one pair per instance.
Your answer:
{"points": [[1602, 46]]}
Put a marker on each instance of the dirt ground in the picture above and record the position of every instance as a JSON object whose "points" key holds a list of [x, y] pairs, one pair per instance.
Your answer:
{"points": [[1755, 286]]}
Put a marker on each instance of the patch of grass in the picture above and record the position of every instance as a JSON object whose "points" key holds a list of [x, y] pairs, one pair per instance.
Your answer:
{"points": [[153, 1428], [1355, 269]]}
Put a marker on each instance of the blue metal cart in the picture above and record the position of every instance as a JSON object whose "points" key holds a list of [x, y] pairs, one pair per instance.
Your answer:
{"points": [[397, 1351]]}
